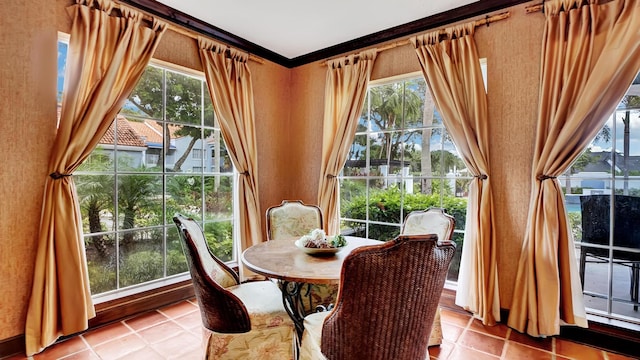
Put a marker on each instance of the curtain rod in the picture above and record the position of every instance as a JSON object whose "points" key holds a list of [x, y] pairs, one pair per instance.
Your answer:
{"points": [[533, 8], [480, 22], [540, 7], [194, 35], [178, 29]]}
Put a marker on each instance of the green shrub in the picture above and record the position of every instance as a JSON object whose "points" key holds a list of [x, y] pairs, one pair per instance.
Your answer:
{"points": [[139, 267], [102, 277], [575, 225], [176, 262], [219, 237], [391, 205]]}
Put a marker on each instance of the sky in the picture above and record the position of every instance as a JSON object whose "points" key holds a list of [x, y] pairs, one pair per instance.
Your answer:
{"points": [[618, 134], [62, 60]]}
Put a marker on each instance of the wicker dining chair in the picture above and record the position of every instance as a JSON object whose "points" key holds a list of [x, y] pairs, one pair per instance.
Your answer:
{"points": [[387, 301], [290, 220], [240, 320], [430, 221]]}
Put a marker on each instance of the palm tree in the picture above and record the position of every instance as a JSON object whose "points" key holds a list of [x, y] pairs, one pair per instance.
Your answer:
{"points": [[392, 107], [135, 194], [428, 113], [95, 194], [629, 102]]}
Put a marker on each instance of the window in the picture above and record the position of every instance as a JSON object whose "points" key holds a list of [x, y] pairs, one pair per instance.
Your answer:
{"points": [[401, 159], [148, 166], [602, 197]]}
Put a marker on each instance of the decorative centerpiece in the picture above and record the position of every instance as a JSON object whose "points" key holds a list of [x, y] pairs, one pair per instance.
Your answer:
{"points": [[317, 242]]}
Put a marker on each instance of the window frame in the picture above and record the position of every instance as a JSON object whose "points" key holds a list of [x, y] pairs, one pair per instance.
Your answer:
{"points": [[166, 227], [405, 177]]}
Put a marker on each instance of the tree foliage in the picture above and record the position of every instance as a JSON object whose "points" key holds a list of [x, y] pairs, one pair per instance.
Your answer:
{"points": [[187, 102]]}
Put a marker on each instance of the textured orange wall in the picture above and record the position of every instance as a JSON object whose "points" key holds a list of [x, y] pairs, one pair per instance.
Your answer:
{"points": [[305, 131], [27, 124], [272, 99], [512, 48]]}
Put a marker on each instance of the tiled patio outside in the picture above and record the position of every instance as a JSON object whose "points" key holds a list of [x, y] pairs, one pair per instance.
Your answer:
{"points": [[596, 280]]}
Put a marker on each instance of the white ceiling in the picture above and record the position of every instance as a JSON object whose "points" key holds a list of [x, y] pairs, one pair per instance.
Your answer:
{"points": [[293, 28]]}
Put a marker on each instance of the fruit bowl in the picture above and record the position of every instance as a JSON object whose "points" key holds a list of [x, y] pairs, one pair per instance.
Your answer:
{"points": [[319, 250]]}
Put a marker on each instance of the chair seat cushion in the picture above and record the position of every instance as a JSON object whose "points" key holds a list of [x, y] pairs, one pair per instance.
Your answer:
{"points": [[263, 301], [274, 343], [311, 338]]}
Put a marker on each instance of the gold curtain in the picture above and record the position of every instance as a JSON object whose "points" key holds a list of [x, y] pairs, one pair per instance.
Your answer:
{"points": [[108, 52], [450, 64], [345, 89], [590, 56], [231, 89]]}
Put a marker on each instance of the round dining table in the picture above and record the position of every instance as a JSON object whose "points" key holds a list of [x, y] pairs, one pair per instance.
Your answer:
{"points": [[295, 269]]}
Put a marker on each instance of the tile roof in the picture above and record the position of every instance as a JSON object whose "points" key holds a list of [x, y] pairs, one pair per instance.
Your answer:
{"points": [[149, 131], [135, 133], [127, 136]]}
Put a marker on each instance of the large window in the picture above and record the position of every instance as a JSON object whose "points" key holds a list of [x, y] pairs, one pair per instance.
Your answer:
{"points": [[163, 154], [402, 159], [602, 196]]}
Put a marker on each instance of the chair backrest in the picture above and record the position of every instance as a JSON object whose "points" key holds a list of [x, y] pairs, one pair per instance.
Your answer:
{"points": [[596, 220], [429, 221], [221, 310], [388, 299], [292, 219]]}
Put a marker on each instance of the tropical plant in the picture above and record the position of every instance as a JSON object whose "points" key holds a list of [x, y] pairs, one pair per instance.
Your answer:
{"points": [[95, 194], [628, 102]]}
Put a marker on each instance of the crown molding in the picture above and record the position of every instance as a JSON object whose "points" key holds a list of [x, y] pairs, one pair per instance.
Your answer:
{"points": [[479, 8]]}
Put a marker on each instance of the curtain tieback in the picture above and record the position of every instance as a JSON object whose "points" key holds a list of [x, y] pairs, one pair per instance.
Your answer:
{"points": [[481, 177], [245, 173], [331, 176], [56, 175], [545, 177]]}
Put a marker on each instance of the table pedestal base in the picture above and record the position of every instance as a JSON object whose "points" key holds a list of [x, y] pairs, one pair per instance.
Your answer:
{"points": [[293, 294]]}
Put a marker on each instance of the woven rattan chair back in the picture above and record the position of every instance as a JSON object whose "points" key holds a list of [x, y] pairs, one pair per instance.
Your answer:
{"points": [[387, 300], [221, 311]]}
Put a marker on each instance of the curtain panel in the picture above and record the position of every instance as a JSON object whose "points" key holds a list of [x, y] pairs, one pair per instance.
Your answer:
{"points": [[590, 56], [231, 89], [451, 65], [345, 89], [108, 52]]}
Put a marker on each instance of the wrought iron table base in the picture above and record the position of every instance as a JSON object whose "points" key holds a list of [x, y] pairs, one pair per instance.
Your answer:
{"points": [[292, 297]]}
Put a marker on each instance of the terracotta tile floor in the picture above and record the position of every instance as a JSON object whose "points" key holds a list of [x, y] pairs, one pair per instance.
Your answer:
{"points": [[173, 332]]}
